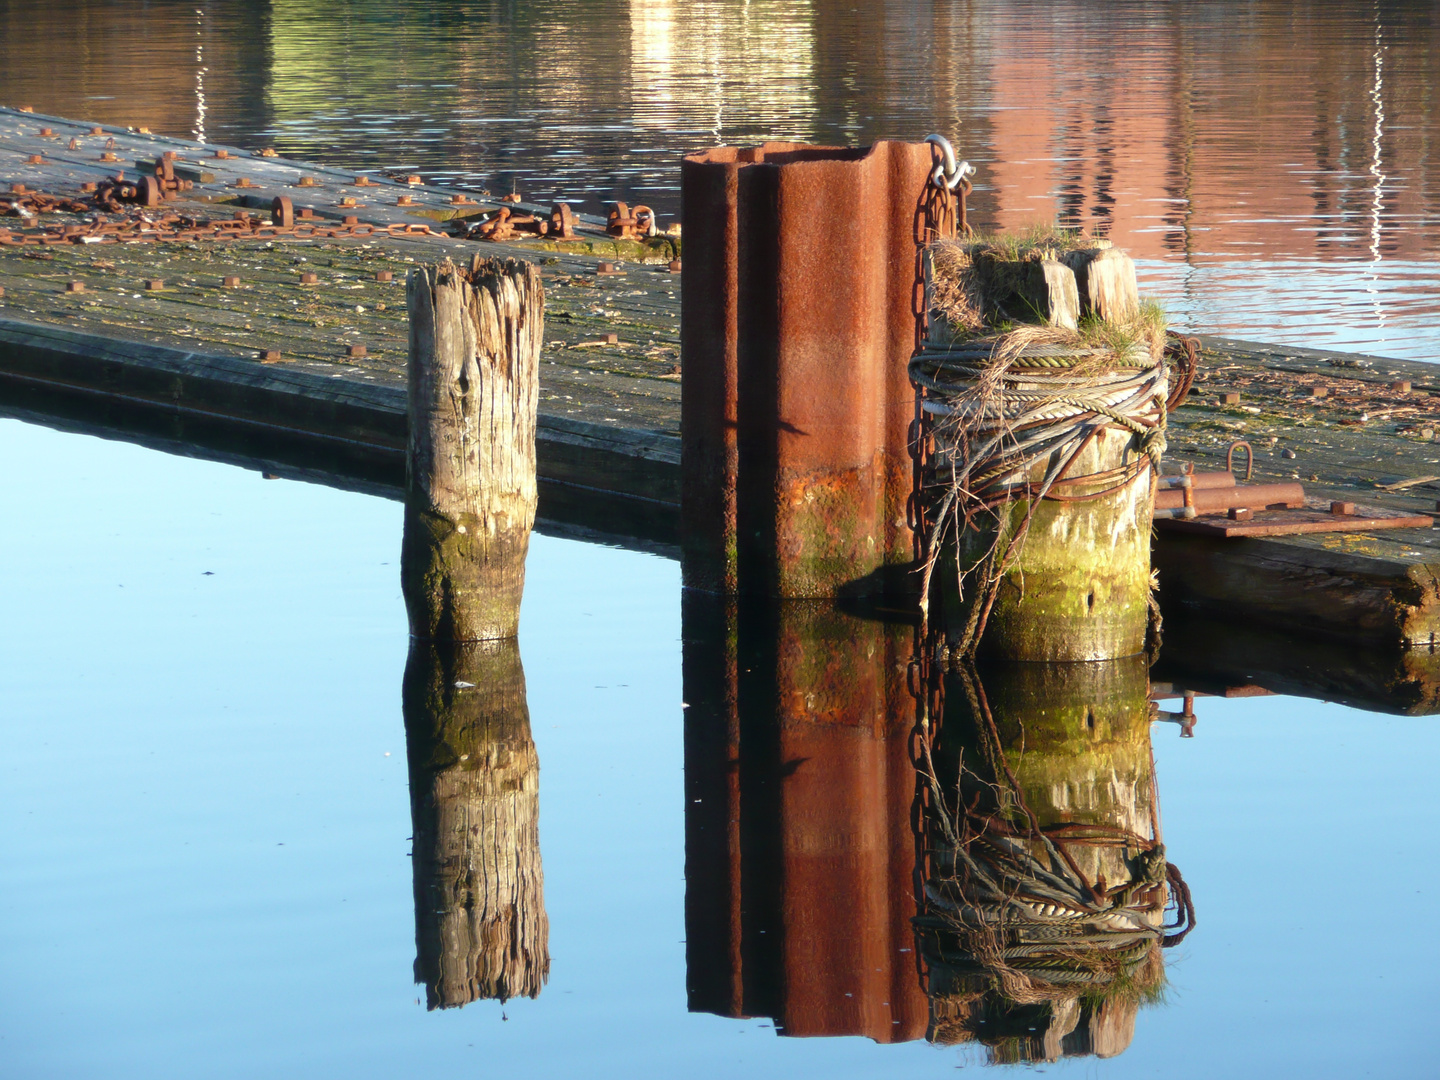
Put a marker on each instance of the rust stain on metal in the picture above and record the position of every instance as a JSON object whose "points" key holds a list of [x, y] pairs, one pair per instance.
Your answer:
{"points": [[798, 317]]}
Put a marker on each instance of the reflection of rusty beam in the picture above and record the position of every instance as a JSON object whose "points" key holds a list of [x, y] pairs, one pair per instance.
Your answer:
{"points": [[798, 317], [799, 850]]}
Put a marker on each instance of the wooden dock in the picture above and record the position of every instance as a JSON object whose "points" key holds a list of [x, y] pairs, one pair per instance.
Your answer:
{"points": [[182, 367]]}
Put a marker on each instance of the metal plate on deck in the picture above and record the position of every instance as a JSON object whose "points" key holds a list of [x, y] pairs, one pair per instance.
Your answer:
{"points": [[1314, 517]]}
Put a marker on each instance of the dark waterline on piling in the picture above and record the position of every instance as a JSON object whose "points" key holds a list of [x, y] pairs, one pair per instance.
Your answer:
{"points": [[1270, 164]]}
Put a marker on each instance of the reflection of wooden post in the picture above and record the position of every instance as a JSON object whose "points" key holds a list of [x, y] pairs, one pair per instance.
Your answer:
{"points": [[475, 341], [1047, 882], [480, 924]]}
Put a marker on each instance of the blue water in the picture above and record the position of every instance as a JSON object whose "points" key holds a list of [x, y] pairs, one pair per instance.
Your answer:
{"points": [[204, 864]]}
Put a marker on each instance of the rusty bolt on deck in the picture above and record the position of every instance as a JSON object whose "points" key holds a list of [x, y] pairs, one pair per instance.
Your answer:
{"points": [[404, 200], [243, 182], [88, 187], [306, 181], [269, 356], [608, 268], [309, 278], [222, 154], [1401, 386], [1231, 398], [75, 286], [1317, 391], [349, 219], [611, 339], [364, 181], [1342, 509], [348, 200], [108, 156], [97, 130], [413, 180], [35, 159], [45, 133], [230, 282], [384, 275], [355, 350], [155, 285], [674, 266]]}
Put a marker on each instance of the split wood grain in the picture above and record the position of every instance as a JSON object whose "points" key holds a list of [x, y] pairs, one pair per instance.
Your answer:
{"points": [[474, 385]]}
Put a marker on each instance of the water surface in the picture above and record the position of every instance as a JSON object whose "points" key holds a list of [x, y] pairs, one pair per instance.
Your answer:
{"points": [[1271, 164], [206, 869]]}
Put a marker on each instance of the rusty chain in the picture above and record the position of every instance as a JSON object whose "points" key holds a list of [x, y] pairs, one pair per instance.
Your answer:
{"points": [[177, 227]]}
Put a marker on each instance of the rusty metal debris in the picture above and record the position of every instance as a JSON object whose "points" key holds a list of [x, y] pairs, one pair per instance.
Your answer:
{"points": [[630, 224], [1311, 516], [506, 224], [1241, 444], [562, 221], [120, 196]]}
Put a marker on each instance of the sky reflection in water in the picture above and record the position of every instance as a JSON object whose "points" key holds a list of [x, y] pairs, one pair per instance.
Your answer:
{"points": [[206, 870]]}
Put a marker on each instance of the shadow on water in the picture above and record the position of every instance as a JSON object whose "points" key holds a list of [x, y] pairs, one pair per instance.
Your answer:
{"points": [[998, 877], [480, 925]]}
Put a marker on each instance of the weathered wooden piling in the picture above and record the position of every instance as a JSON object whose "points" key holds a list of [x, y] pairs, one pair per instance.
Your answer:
{"points": [[801, 265], [475, 340], [1042, 445], [481, 930], [1047, 883]]}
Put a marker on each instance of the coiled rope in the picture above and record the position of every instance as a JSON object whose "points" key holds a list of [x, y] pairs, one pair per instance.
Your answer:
{"points": [[1008, 417]]}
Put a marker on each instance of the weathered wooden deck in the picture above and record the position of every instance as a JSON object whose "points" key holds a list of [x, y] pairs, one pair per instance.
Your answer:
{"points": [[180, 367]]}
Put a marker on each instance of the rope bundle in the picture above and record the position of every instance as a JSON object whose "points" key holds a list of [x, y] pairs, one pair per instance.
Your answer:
{"points": [[1010, 416]]}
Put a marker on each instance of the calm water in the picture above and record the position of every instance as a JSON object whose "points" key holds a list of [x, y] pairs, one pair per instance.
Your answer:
{"points": [[1271, 163], [207, 864]]}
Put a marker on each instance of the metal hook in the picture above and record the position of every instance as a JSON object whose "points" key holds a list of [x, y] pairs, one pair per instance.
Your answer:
{"points": [[1249, 458], [949, 173]]}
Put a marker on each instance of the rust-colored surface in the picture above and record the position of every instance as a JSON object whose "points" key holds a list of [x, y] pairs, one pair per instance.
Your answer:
{"points": [[1307, 516], [799, 851], [798, 317]]}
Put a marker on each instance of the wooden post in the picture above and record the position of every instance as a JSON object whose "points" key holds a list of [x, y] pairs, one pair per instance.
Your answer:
{"points": [[480, 925], [475, 340]]}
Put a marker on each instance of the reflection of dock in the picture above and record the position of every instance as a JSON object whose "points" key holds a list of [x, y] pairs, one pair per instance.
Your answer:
{"points": [[799, 849]]}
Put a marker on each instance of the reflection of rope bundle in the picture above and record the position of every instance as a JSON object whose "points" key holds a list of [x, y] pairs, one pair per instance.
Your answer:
{"points": [[1008, 907], [1010, 416]]}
